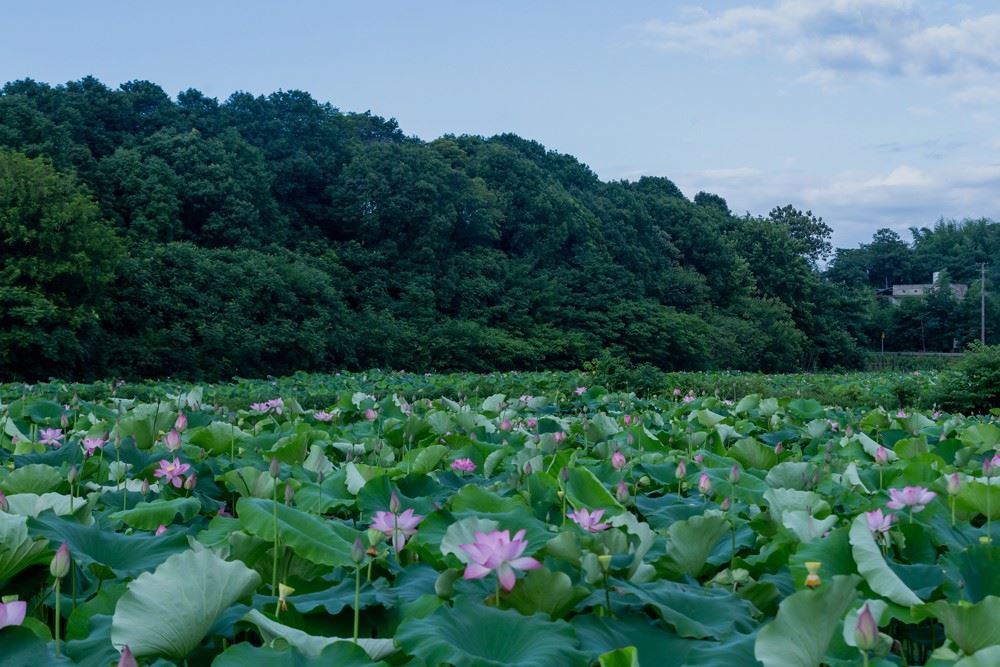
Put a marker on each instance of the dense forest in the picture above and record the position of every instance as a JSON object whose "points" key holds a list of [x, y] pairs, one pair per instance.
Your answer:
{"points": [[142, 236]]}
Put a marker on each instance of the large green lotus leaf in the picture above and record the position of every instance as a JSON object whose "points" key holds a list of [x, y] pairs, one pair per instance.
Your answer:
{"points": [[780, 501], [422, 461], [125, 555], [342, 654], [806, 527], [791, 475], [734, 650], [978, 497], [753, 454], [94, 649], [32, 504], [692, 611], [151, 515], [333, 494], [806, 622], [17, 550], [690, 542], [474, 635], [32, 478], [652, 641], [547, 592], [476, 498], [585, 491], [311, 537], [972, 626], [22, 647], [988, 657], [249, 482], [312, 645], [806, 409], [974, 572], [167, 612], [981, 436], [218, 437], [144, 423], [873, 567], [662, 512]]}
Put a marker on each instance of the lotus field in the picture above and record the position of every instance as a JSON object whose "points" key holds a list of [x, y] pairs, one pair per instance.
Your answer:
{"points": [[577, 527]]}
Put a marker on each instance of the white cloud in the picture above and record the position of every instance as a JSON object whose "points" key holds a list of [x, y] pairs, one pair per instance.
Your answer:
{"points": [[833, 39]]}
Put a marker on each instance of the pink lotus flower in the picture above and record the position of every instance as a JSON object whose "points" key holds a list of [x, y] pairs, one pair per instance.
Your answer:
{"points": [[497, 552], [127, 659], [91, 445], [589, 521], [916, 498], [222, 511], [51, 437], [627, 419], [525, 398], [323, 416], [259, 407], [172, 440], [618, 460], [12, 613], [866, 630], [276, 404], [878, 522], [689, 397], [371, 415], [677, 391], [397, 527], [506, 425], [172, 472], [834, 426], [580, 391], [901, 414], [779, 448], [699, 458], [990, 464], [160, 530], [463, 465], [532, 422], [181, 423], [558, 436]]}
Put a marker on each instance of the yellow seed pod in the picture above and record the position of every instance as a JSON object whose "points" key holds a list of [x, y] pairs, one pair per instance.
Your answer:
{"points": [[812, 579]]}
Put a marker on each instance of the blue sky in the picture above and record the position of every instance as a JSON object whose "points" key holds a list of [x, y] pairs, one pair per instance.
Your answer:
{"points": [[871, 113]]}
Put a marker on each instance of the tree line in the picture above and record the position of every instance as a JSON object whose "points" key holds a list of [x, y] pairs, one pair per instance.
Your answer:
{"points": [[147, 236]]}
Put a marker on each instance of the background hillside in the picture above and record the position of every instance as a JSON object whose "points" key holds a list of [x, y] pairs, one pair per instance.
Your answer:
{"points": [[145, 236]]}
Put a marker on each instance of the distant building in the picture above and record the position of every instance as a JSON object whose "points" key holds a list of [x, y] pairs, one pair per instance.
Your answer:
{"points": [[958, 291]]}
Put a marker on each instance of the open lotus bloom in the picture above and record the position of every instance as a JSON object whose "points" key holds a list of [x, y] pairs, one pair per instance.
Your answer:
{"points": [[914, 497], [589, 521], [497, 552], [879, 522], [12, 613], [397, 527]]}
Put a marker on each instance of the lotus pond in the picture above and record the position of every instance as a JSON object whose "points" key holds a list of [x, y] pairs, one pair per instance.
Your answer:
{"points": [[577, 527]]}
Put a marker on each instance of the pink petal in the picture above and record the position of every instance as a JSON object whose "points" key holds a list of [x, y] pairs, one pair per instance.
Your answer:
{"points": [[506, 576], [475, 571], [526, 563], [15, 612]]}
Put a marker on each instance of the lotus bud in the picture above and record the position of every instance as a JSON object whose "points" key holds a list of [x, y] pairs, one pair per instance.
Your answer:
{"points": [[954, 483], [644, 481], [849, 431], [127, 659], [506, 425], [275, 468], [4, 504], [289, 494], [621, 491], [618, 460], [358, 550], [371, 415], [704, 484], [59, 567], [528, 469], [64, 420], [881, 455], [699, 458], [72, 474], [812, 579], [532, 422], [866, 630], [627, 419], [160, 530], [172, 440], [682, 470], [629, 439], [558, 436], [145, 487], [988, 466], [564, 474], [191, 482], [734, 474], [394, 505], [726, 504], [181, 423], [605, 562], [779, 448]]}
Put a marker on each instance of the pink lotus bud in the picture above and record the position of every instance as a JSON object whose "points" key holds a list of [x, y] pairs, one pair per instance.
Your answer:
{"points": [[289, 494], [849, 431], [726, 504], [682, 469], [704, 484], [532, 422], [988, 465], [160, 530], [59, 567], [630, 439], [881, 455], [558, 436], [4, 503], [734, 474], [506, 425], [779, 448], [627, 419], [191, 482], [64, 420], [677, 391], [72, 474], [621, 491], [127, 659], [145, 486], [866, 631], [371, 415], [394, 505], [699, 458], [172, 440], [618, 460], [181, 423], [954, 483], [527, 469], [275, 468], [358, 550]]}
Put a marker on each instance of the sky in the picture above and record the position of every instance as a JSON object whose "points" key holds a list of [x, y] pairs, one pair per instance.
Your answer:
{"points": [[870, 113]]}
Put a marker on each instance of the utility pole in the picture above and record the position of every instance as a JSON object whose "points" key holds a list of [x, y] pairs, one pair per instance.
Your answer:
{"points": [[982, 303]]}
